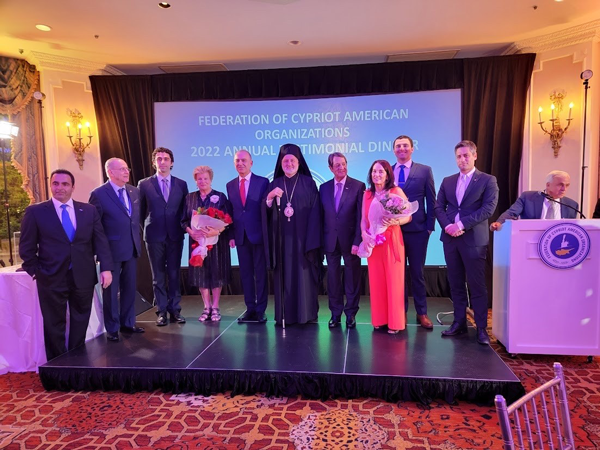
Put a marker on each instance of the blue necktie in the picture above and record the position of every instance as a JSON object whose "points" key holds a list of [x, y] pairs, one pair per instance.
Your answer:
{"points": [[401, 179], [122, 198], [67, 224]]}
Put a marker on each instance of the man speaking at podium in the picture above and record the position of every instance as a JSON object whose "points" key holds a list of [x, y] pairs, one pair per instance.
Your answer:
{"points": [[549, 204]]}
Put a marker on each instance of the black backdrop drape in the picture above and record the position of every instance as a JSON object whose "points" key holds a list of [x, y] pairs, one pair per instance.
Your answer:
{"points": [[494, 93]]}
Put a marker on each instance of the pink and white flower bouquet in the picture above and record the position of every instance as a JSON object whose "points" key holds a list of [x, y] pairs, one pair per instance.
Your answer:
{"points": [[390, 206]]}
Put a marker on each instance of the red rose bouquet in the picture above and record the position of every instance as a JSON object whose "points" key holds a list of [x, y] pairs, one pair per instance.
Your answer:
{"points": [[206, 217]]}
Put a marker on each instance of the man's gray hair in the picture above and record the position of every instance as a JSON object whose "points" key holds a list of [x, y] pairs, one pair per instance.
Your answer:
{"points": [[556, 173], [108, 163]]}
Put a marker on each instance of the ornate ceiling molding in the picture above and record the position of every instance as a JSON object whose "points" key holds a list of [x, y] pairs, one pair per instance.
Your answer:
{"points": [[586, 32], [66, 64]]}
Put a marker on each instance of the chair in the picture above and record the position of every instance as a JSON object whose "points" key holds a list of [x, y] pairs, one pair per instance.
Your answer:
{"points": [[553, 431]]}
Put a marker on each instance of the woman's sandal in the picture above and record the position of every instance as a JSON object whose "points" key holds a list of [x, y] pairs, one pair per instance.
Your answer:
{"points": [[215, 315], [206, 315], [390, 331]]}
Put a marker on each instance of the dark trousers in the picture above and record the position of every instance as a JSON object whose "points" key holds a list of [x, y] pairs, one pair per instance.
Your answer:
{"points": [[165, 262], [415, 249], [352, 275], [253, 274], [53, 304], [119, 298], [467, 265]]}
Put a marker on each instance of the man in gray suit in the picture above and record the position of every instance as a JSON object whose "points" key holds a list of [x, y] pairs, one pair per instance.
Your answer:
{"points": [[550, 204], [416, 180], [341, 204]]}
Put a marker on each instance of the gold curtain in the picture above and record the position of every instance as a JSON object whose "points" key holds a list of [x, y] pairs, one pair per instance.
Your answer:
{"points": [[18, 81]]}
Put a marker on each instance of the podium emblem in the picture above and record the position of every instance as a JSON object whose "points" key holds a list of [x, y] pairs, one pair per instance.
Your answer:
{"points": [[564, 246]]}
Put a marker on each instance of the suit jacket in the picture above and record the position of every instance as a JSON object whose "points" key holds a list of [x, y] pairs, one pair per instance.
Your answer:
{"points": [[47, 252], [162, 219], [248, 218], [478, 204], [121, 229], [529, 206], [343, 225], [419, 186]]}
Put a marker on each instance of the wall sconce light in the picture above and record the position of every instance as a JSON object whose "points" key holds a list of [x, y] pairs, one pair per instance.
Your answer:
{"points": [[79, 147], [556, 133]]}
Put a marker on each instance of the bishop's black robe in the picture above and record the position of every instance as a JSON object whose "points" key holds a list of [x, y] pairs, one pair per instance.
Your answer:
{"points": [[300, 265]]}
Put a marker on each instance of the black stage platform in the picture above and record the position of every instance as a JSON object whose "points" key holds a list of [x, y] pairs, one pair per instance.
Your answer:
{"points": [[309, 360]]}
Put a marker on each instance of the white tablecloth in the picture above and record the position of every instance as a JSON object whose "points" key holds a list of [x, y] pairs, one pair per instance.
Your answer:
{"points": [[21, 326]]}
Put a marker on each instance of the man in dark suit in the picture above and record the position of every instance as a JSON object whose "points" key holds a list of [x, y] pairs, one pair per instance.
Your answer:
{"points": [[246, 193], [59, 239], [465, 202], [416, 180], [537, 205], [162, 199], [341, 206], [118, 205]]}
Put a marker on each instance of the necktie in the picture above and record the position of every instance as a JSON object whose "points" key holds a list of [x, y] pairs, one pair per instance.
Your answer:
{"points": [[401, 179], [66, 223], [551, 213], [122, 198], [243, 191], [338, 195], [462, 187], [165, 189]]}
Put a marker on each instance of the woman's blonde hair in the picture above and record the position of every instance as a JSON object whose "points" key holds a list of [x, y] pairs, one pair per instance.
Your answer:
{"points": [[203, 169]]}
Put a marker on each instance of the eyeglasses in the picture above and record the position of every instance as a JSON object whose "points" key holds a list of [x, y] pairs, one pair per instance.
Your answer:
{"points": [[122, 169]]}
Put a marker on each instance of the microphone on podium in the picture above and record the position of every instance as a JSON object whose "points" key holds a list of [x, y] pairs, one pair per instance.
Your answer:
{"points": [[552, 199]]}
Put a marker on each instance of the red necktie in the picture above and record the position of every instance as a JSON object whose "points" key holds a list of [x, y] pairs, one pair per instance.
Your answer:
{"points": [[243, 191]]}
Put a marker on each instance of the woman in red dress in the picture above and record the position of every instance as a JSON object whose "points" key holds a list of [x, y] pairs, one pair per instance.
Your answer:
{"points": [[386, 263]]}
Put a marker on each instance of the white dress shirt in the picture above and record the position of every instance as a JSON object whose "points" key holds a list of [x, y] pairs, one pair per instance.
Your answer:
{"points": [[549, 204], [247, 185], [125, 195], [466, 180], [70, 210]]}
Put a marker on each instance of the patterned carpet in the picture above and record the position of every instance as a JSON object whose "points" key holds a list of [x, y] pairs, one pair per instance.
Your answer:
{"points": [[31, 418]]}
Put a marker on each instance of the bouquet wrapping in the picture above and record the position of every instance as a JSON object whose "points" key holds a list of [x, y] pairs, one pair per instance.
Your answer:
{"points": [[206, 217], [389, 207]]}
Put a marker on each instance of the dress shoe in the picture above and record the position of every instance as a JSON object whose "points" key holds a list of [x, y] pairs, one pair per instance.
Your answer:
{"points": [[132, 329], [249, 316], [112, 337], [262, 318], [177, 318], [161, 320], [335, 321], [482, 336], [455, 329], [350, 322], [425, 321]]}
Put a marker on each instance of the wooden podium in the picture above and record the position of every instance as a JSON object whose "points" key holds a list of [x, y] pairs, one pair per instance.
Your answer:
{"points": [[539, 309]]}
